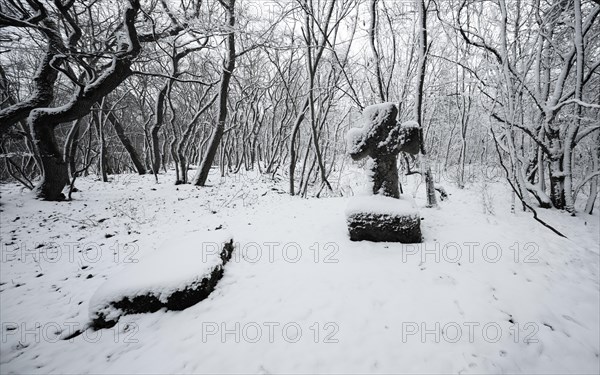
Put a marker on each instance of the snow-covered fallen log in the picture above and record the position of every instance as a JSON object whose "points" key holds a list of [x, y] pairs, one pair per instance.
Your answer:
{"points": [[181, 273]]}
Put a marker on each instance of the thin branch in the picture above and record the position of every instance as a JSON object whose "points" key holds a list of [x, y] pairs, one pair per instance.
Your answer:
{"points": [[174, 78], [535, 215]]}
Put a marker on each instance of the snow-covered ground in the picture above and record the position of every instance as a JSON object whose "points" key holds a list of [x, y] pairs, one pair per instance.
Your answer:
{"points": [[485, 293]]}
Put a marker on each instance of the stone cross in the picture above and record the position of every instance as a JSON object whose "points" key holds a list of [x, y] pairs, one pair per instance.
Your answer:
{"points": [[382, 138]]}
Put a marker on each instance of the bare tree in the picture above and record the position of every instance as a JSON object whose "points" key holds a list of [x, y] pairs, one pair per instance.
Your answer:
{"points": [[227, 72], [421, 69], [102, 76]]}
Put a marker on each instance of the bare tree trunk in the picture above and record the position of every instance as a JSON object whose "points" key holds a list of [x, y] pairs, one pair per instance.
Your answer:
{"points": [[376, 58], [422, 27], [133, 154], [183, 142], [572, 129], [54, 169], [99, 120], [589, 206], [293, 137], [70, 148], [311, 99], [159, 115], [557, 179], [204, 168]]}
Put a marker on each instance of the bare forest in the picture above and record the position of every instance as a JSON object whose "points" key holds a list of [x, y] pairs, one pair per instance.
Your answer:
{"points": [[107, 88], [355, 163]]}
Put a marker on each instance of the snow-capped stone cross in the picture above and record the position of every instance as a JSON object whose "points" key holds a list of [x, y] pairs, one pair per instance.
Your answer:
{"points": [[381, 137]]}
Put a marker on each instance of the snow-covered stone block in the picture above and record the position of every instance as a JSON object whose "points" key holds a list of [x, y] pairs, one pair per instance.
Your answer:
{"points": [[379, 218], [181, 273]]}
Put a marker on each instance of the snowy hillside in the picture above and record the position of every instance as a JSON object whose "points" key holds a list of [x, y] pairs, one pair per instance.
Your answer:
{"points": [[484, 293]]}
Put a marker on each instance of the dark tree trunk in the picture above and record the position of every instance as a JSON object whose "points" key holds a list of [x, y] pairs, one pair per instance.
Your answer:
{"points": [[183, 142], [102, 162], [133, 154], [204, 168], [557, 179], [70, 148], [293, 137], [429, 185], [557, 191], [54, 169], [158, 123]]}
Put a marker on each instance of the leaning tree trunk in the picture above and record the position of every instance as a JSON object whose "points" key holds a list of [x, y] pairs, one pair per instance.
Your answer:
{"points": [[183, 142], [204, 168], [126, 142]]}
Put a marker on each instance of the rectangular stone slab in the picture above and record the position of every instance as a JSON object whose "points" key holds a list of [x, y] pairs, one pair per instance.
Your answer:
{"points": [[384, 228], [379, 218]]}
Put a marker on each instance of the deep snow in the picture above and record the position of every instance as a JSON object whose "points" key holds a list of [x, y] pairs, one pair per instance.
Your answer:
{"points": [[483, 294]]}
